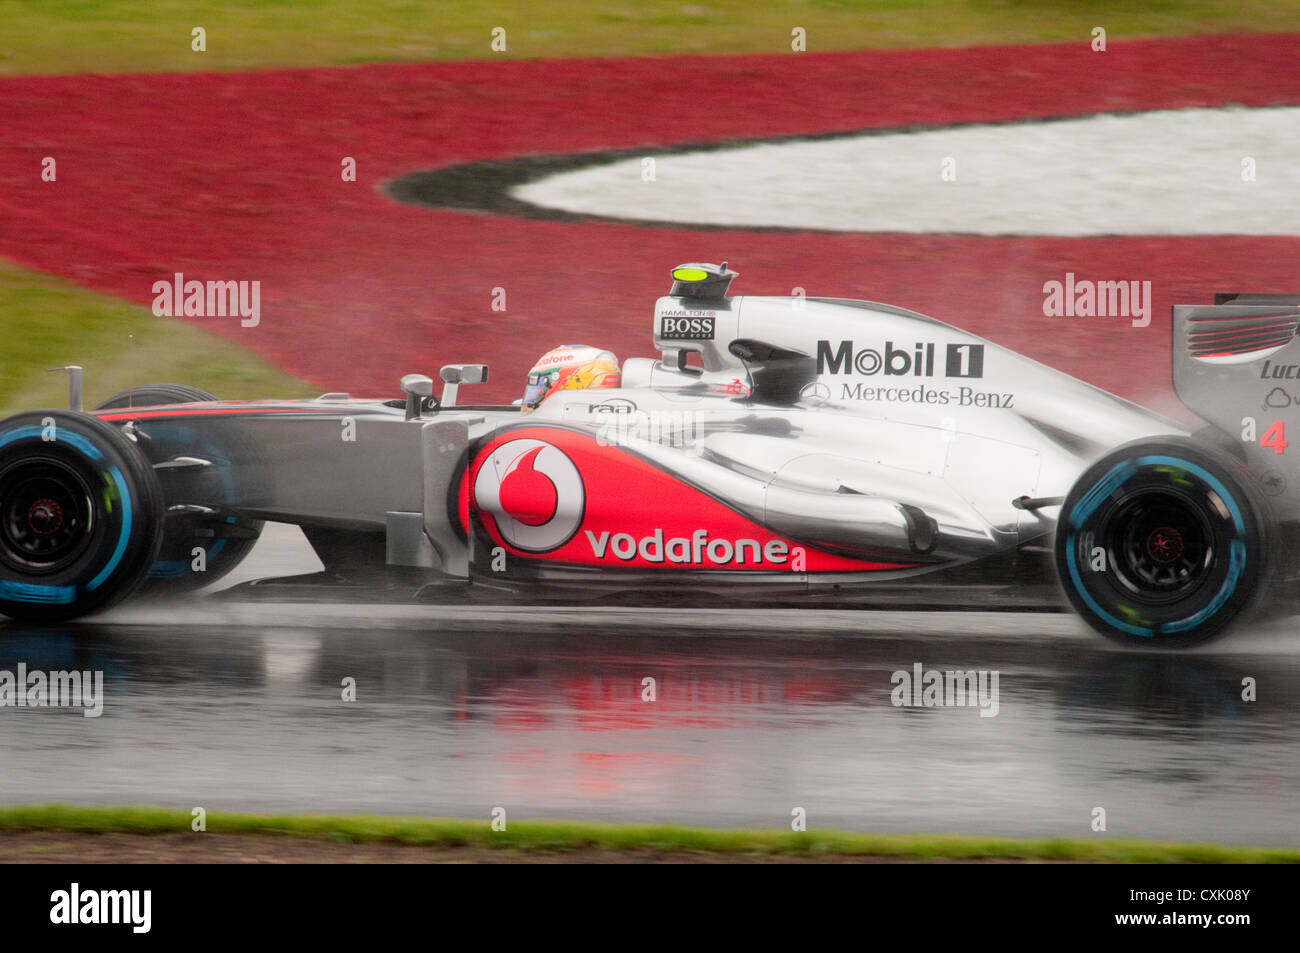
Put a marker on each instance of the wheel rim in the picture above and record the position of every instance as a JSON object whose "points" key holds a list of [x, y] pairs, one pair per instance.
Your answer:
{"points": [[1160, 543], [47, 518]]}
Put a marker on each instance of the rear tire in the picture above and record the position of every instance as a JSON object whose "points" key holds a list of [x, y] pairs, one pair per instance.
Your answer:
{"points": [[80, 515], [1163, 543]]}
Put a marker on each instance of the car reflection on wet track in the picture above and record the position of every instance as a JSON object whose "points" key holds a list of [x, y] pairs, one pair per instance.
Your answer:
{"points": [[548, 714]]}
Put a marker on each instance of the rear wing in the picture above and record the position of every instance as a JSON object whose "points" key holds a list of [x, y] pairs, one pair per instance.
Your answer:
{"points": [[1236, 363]]}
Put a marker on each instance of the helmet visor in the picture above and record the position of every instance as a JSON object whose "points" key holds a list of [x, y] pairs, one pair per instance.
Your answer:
{"points": [[538, 385]]}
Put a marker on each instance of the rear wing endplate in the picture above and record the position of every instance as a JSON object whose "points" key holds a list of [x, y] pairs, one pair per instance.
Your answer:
{"points": [[1236, 363]]}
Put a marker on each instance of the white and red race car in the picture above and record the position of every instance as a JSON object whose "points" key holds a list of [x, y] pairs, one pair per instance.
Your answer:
{"points": [[778, 451]]}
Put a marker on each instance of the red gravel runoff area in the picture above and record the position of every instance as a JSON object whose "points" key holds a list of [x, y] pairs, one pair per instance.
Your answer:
{"points": [[235, 176]]}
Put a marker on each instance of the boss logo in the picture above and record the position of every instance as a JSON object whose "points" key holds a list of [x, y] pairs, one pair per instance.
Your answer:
{"points": [[695, 328]]}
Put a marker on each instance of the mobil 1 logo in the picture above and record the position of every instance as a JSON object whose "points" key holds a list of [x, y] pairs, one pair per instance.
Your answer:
{"points": [[894, 360]]}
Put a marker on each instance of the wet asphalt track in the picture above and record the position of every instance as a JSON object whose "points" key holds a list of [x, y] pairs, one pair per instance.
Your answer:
{"points": [[236, 705]]}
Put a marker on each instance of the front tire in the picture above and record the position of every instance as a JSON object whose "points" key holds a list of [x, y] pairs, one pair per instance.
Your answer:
{"points": [[226, 540], [1162, 543], [80, 515]]}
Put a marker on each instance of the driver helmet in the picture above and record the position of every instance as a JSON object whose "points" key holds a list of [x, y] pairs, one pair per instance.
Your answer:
{"points": [[570, 367]]}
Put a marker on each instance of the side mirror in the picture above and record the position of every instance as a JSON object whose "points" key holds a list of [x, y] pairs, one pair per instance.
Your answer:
{"points": [[464, 374], [416, 387], [453, 375]]}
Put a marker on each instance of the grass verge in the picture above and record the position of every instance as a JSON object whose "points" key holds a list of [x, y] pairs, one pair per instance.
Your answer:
{"points": [[48, 322], [560, 836], [72, 36]]}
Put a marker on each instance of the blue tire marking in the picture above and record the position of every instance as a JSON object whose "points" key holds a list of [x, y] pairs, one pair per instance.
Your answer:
{"points": [[1113, 479], [116, 558], [78, 441], [169, 569], [29, 592], [1092, 499], [1236, 565], [1218, 487], [1092, 603]]}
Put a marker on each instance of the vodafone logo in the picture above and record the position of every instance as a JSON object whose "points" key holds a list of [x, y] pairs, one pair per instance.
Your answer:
{"points": [[533, 492]]}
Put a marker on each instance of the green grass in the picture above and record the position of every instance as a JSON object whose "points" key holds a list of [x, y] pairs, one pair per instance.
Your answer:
{"points": [[554, 836], [46, 322], [66, 36]]}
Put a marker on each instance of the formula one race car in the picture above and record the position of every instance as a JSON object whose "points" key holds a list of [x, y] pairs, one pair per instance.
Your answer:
{"points": [[780, 451]]}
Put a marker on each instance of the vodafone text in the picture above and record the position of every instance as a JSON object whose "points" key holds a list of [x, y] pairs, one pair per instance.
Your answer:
{"points": [[696, 549]]}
